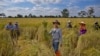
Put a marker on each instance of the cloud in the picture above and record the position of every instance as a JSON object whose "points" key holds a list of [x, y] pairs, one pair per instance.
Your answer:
{"points": [[4, 2], [17, 1], [73, 2], [96, 9], [38, 2], [37, 10], [74, 10], [35, 2], [16, 10]]}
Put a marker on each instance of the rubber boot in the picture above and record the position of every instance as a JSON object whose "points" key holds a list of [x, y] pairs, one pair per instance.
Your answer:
{"points": [[57, 53]]}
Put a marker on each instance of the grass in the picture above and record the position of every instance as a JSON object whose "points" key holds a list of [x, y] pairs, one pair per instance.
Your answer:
{"points": [[35, 40]]}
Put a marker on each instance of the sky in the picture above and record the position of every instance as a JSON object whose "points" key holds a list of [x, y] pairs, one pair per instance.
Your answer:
{"points": [[47, 7]]}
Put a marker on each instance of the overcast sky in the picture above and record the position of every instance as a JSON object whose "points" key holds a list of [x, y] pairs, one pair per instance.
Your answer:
{"points": [[47, 7]]}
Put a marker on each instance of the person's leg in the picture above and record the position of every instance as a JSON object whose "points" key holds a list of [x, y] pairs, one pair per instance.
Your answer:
{"points": [[56, 47], [18, 33]]}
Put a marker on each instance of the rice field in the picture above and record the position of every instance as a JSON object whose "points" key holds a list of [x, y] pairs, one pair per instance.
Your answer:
{"points": [[35, 40]]}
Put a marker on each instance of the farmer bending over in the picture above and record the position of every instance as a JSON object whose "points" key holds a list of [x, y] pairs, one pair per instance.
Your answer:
{"points": [[96, 26], [56, 37], [69, 24]]}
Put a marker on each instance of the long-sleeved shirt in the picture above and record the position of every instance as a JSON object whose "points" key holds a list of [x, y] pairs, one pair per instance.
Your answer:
{"points": [[56, 35], [16, 27], [9, 27]]}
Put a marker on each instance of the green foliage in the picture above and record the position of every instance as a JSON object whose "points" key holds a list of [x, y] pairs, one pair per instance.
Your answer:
{"points": [[65, 13]]}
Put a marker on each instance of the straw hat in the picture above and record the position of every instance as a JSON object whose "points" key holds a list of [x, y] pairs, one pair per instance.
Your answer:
{"points": [[82, 23], [69, 21]]}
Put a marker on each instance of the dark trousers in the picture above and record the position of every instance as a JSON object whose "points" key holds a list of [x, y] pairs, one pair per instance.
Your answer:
{"points": [[55, 46]]}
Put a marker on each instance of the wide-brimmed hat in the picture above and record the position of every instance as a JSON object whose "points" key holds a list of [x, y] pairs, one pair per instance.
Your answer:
{"points": [[56, 22], [83, 23]]}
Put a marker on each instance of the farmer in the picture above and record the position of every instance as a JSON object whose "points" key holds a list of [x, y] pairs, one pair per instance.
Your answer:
{"points": [[69, 24], [16, 30], [83, 29], [96, 26], [10, 28], [56, 37]]}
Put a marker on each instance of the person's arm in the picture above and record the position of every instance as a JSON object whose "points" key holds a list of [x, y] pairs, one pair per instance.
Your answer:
{"points": [[50, 31], [6, 27]]}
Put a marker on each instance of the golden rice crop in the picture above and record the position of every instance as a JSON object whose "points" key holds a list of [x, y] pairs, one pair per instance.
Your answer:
{"points": [[35, 40]]}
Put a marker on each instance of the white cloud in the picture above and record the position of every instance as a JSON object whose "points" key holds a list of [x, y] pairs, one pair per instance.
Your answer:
{"points": [[73, 2], [96, 9], [4, 2], [16, 1], [37, 10], [45, 11], [74, 10], [16, 10], [37, 2]]}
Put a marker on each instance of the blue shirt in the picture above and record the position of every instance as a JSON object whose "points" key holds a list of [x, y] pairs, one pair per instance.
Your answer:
{"points": [[16, 27], [9, 27], [56, 34]]}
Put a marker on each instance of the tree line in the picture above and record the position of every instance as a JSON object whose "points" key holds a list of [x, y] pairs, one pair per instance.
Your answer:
{"points": [[65, 14], [34, 16]]}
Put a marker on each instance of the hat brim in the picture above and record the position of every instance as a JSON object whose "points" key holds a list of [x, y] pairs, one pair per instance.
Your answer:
{"points": [[56, 23]]}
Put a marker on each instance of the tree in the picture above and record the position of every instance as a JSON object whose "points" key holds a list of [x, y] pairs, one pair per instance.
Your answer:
{"points": [[90, 11], [59, 16], [19, 16], [10, 17], [65, 13], [94, 16], [2, 15], [34, 16], [82, 13], [41, 16], [25, 16], [30, 15]]}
